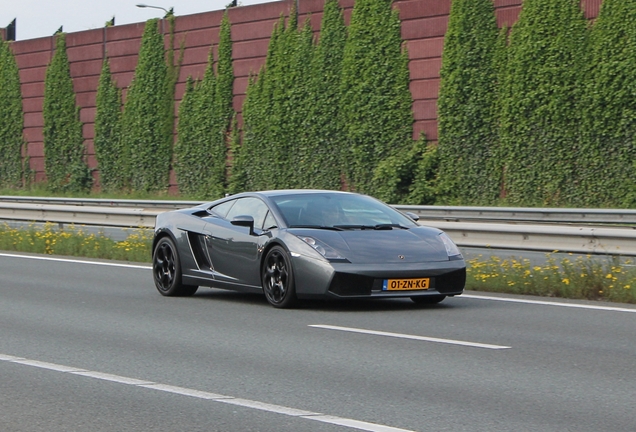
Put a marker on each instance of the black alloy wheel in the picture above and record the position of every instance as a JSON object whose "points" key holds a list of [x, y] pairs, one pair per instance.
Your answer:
{"points": [[278, 279], [166, 269], [424, 300]]}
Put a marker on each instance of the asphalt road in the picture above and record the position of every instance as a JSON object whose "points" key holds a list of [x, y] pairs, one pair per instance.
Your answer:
{"points": [[94, 347]]}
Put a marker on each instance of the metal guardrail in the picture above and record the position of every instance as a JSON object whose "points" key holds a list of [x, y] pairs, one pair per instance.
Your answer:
{"points": [[522, 214], [99, 202], [443, 213], [125, 217], [565, 230]]}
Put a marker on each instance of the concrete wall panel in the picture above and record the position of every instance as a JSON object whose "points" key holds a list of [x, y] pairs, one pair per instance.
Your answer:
{"points": [[425, 109], [196, 55], [85, 84], [33, 105], [86, 68], [425, 89], [415, 9], [122, 64], [33, 89], [36, 74], [86, 37], [250, 49], [123, 47], [33, 119], [424, 27], [425, 48], [36, 59], [426, 68]]}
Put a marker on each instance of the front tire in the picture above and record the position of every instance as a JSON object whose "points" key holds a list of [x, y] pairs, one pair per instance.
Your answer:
{"points": [[424, 300], [166, 268], [278, 279]]}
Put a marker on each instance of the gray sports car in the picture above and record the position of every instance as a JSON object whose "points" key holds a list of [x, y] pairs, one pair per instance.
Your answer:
{"points": [[303, 244]]}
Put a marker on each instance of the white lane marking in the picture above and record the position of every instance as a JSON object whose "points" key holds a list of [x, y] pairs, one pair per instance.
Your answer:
{"points": [[68, 260], [268, 407], [549, 303], [247, 403], [45, 365], [183, 391], [408, 336], [354, 424], [111, 377]]}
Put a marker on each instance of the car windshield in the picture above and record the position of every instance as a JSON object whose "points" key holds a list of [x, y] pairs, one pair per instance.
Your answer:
{"points": [[339, 211]]}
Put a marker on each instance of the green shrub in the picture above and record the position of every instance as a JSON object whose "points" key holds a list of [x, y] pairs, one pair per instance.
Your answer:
{"points": [[108, 145], [205, 114], [276, 111], [607, 163], [292, 93], [236, 172], [191, 158], [409, 176], [375, 109], [64, 151], [540, 105], [322, 147], [260, 155], [147, 120], [468, 135], [11, 120]]}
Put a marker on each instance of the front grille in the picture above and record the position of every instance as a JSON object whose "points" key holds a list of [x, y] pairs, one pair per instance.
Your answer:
{"points": [[344, 284]]}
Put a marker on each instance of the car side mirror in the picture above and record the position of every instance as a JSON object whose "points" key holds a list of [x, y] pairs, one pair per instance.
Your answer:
{"points": [[413, 216], [244, 221]]}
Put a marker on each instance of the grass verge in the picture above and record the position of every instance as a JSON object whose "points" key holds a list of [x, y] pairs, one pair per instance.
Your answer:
{"points": [[578, 278], [74, 241]]}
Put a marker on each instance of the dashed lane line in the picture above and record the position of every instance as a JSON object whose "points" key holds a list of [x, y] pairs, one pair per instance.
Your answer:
{"points": [[412, 337], [246, 403]]}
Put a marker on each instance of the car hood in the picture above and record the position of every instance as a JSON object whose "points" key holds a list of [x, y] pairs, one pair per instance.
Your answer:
{"points": [[420, 244]]}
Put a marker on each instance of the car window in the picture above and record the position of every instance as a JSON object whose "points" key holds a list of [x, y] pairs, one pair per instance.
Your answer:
{"points": [[223, 208], [336, 209], [270, 222], [249, 206]]}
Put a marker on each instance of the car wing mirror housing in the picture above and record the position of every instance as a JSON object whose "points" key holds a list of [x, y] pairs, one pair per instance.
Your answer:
{"points": [[244, 221], [413, 216]]}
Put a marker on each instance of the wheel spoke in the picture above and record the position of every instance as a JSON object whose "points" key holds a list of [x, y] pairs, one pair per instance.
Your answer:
{"points": [[164, 266], [276, 278]]}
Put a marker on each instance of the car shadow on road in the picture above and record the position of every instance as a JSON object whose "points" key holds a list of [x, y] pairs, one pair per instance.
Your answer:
{"points": [[330, 305]]}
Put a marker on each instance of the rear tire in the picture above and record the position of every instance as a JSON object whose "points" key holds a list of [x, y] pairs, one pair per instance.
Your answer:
{"points": [[277, 279], [166, 269], [424, 300]]}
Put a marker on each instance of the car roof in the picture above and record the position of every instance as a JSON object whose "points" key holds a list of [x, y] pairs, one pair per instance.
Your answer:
{"points": [[273, 193]]}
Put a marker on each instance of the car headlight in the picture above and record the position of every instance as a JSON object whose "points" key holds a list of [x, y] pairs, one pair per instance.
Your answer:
{"points": [[322, 248], [451, 248]]}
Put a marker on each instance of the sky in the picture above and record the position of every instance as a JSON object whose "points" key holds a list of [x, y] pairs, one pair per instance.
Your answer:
{"points": [[38, 18]]}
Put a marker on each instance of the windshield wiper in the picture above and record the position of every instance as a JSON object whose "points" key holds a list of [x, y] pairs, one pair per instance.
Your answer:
{"points": [[324, 227], [372, 227], [352, 227], [389, 226]]}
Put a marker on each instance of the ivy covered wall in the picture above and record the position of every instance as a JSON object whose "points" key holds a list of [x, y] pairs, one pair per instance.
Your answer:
{"points": [[396, 175], [11, 120], [64, 150]]}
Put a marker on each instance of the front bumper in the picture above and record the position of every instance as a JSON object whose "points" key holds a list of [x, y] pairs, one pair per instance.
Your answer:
{"points": [[316, 278]]}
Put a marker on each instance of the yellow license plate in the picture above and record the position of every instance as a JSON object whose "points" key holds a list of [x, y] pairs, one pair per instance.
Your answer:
{"points": [[405, 284]]}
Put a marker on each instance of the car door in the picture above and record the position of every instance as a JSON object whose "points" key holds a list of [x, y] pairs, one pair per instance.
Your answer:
{"points": [[233, 250]]}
